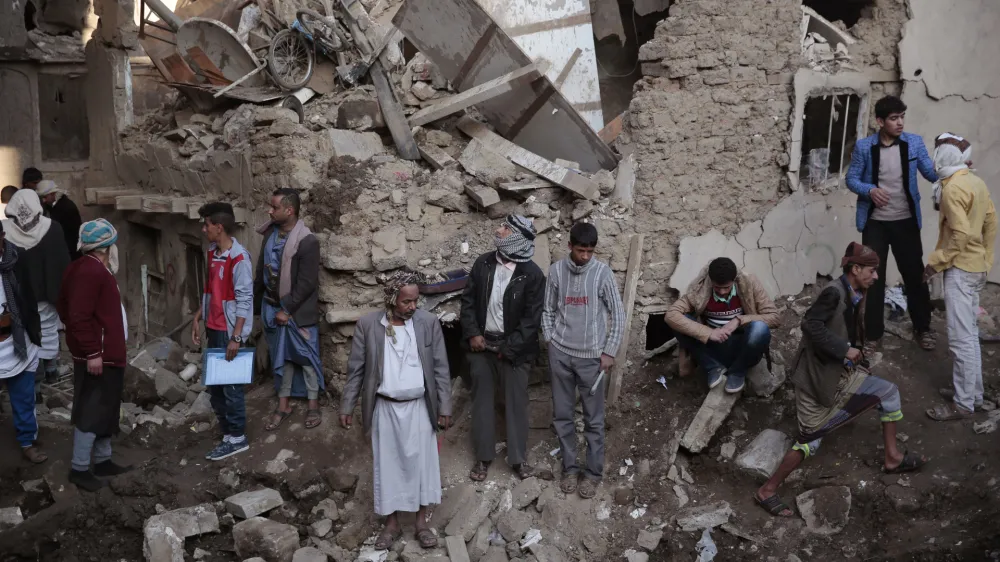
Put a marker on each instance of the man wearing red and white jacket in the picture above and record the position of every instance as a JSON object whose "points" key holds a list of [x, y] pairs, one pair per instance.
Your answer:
{"points": [[96, 330]]}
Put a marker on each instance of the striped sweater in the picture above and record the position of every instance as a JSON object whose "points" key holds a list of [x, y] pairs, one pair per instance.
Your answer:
{"points": [[578, 301]]}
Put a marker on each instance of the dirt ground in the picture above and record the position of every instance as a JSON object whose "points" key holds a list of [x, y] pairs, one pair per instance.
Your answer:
{"points": [[956, 520]]}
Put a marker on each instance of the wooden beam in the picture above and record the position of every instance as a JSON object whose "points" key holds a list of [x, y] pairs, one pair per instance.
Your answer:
{"points": [[436, 156], [347, 315], [128, 202], [156, 204], [525, 185], [568, 179], [473, 58], [106, 195], [392, 112], [564, 73], [478, 94], [628, 299], [611, 131]]}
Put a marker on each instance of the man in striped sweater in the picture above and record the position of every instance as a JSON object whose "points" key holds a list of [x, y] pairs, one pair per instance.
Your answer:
{"points": [[580, 294]]}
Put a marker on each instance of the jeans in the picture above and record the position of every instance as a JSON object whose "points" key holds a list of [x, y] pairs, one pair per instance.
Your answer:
{"points": [[227, 399], [86, 445], [21, 389], [738, 354], [961, 297], [904, 238], [570, 374]]}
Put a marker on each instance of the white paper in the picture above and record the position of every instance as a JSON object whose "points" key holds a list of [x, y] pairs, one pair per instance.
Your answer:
{"points": [[219, 371]]}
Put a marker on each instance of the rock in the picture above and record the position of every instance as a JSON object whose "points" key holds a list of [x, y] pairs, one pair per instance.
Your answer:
{"points": [[423, 91], [202, 406], [321, 528], [525, 492], [763, 455], [905, 500], [706, 422], [257, 536], [495, 554], [513, 524], [360, 146], [704, 516], [161, 543], [309, 554], [360, 114], [582, 209], [471, 515], [253, 503], [649, 540], [635, 556], [264, 115], [164, 534], [825, 510], [457, 551], [764, 382], [398, 197], [644, 468], [169, 387], [327, 508], [447, 200], [200, 554], [547, 553], [438, 138], [389, 248], [10, 517], [682, 497], [483, 196], [369, 554], [346, 253], [728, 450], [547, 496], [480, 543]]}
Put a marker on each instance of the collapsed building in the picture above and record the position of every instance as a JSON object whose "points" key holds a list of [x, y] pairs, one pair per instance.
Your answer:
{"points": [[683, 130]]}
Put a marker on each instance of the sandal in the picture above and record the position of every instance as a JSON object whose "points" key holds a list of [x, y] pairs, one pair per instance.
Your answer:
{"points": [[276, 422], [387, 537], [773, 505], [927, 340], [426, 538], [948, 412], [313, 418], [479, 471], [34, 454], [910, 463]]}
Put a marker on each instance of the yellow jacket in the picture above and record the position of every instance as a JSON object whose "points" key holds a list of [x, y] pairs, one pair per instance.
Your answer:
{"points": [[968, 225]]}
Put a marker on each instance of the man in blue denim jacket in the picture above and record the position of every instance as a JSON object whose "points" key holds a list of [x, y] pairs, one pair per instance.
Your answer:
{"points": [[883, 173]]}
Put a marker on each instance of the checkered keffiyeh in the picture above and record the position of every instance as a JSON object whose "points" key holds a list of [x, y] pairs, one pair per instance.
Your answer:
{"points": [[519, 245]]}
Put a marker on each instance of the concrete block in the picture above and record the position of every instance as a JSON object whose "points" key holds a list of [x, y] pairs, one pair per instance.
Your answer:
{"points": [[696, 252], [253, 503], [764, 382], [360, 115], [513, 524], [389, 248], [704, 516], [763, 455], [275, 542], [714, 410], [495, 554], [309, 554], [649, 540], [169, 387], [482, 195], [10, 517], [457, 551], [471, 515], [321, 528], [447, 200], [525, 492], [480, 543], [346, 253], [360, 146], [161, 543], [164, 534], [328, 509], [826, 510], [202, 406]]}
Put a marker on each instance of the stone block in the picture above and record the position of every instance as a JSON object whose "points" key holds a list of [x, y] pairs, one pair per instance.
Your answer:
{"points": [[457, 551], [825, 510], [482, 195], [341, 480], [447, 200], [161, 543], [265, 115], [513, 524], [10, 517], [471, 515], [328, 509], [487, 166], [360, 146], [257, 536], [525, 492], [763, 455], [360, 115], [764, 382], [169, 386], [202, 406], [495, 554], [704, 516], [321, 528], [714, 410], [480, 543], [346, 253], [389, 248], [649, 540], [904, 500], [253, 503], [309, 554]]}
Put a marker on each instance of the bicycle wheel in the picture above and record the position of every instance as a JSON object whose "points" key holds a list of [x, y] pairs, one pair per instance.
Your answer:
{"points": [[290, 59]]}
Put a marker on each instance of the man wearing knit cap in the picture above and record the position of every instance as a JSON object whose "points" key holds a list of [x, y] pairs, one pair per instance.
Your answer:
{"points": [[501, 315], [831, 376], [61, 209], [96, 331]]}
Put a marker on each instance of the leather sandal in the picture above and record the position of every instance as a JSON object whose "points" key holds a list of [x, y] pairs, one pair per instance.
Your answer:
{"points": [[313, 418], [479, 471], [274, 422]]}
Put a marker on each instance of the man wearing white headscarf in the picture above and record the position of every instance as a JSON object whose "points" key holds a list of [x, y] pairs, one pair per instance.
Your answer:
{"points": [[43, 252], [968, 229], [61, 209]]}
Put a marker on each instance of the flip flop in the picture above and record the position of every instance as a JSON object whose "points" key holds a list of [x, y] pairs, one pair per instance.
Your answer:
{"points": [[386, 538], [910, 463], [274, 424], [427, 538], [773, 505], [313, 418], [948, 412]]}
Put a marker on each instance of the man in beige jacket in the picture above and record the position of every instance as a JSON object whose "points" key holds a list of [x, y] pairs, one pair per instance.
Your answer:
{"points": [[724, 322]]}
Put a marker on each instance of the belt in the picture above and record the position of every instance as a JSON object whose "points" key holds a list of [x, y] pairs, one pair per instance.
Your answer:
{"points": [[390, 399], [493, 336]]}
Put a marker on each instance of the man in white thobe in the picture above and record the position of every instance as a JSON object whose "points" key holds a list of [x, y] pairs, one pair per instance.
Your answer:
{"points": [[399, 367]]}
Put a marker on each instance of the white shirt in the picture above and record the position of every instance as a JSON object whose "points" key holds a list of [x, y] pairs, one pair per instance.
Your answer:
{"points": [[402, 374], [502, 275], [10, 364]]}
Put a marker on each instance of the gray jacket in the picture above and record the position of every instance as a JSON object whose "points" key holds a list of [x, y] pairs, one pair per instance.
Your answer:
{"points": [[364, 368]]}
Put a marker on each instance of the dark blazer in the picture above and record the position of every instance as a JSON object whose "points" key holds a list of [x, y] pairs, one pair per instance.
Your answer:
{"points": [[364, 368], [303, 300], [65, 212], [522, 307], [828, 331]]}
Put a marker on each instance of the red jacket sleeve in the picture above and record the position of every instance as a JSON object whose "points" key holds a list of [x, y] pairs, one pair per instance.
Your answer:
{"points": [[78, 305]]}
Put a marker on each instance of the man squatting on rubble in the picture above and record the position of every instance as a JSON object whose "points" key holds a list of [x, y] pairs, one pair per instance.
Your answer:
{"points": [[399, 367], [501, 315], [580, 294], [964, 252], [227, 309], [286, 291], [883, 173], [831, 377], [90, 305], [724, 321]]}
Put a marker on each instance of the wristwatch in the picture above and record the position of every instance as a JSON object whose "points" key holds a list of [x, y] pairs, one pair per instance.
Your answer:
{"points": [[237, 338]]}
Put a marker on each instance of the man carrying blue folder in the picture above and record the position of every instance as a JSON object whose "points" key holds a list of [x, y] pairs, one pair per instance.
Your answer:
{"points": [[227, 308]]}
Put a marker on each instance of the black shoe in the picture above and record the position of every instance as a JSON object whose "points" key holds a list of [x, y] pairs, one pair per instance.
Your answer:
{"points": [[85, 480], [109, 468]]}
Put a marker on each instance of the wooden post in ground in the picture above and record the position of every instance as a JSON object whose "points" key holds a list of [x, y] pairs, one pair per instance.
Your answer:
{"points": [[628, 299]]}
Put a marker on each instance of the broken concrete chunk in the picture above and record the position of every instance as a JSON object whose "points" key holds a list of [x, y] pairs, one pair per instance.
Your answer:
{"points": [[764, 453], [360, 115], [268, 539], [714, 410], [253, 503], [264, 116], [161, 543], [176, 135], [169, 386], [482, 195], [190, 521], [526, 491], [471, 515], [605, 181], [389, 248], [447, 200], [487, 166], [704, 516], [10, 517], [321, 528], [202, 406], [649, 540], [513, 524], [346, 253], [327, 508], [825, 510], [457, 552], [360, 146], [309, 554], [728, 450], [904, 500], [423, 91], [764, 382], [438, 138]]}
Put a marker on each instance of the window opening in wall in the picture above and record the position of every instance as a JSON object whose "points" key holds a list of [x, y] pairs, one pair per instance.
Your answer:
{"points": [[829, 131], [847, 11], [62, 108], [657, 332], [29, 16], [618, 67]]}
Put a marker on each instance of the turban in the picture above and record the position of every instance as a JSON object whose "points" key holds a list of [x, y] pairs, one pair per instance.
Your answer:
{"points": [[97, 234], [519, 245], [859, 254], [951, 152], [46, 187], [392, 284]]}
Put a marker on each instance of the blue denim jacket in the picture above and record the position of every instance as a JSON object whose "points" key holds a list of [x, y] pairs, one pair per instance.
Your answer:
{"points": [[862, 176]]}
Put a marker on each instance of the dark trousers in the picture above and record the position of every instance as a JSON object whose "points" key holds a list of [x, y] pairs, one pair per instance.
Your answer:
{"points": [[738, 354], [227, 399], [569, 376], [489, 372], [904, 239]]}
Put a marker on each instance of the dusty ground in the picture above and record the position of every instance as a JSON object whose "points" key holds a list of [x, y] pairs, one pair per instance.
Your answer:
{"points": [[958, 489]]}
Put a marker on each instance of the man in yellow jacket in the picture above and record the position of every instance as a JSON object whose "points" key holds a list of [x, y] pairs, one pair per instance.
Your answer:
{"points": [[724, 321], [968, 229]]}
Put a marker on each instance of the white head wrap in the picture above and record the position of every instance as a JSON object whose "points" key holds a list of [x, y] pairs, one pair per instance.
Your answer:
{"points": [[951, 152]]}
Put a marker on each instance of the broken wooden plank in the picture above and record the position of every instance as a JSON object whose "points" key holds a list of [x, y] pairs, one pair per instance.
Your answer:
{"points": [[106, 195], [611, 131], [632, 274], [347, 315], [392, 112], [128, 202], [477, 94], [483, 196], [156, 204], [436, 156], [714, 410], [549, 170], [525, 185], [564, 73]]}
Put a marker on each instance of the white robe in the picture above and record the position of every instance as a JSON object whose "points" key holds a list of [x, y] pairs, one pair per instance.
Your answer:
{"points": [[49, 319], [407, 469]]}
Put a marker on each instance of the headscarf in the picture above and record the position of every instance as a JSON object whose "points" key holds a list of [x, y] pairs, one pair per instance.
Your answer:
{"points": [[859, 254], [10, 289], [390, 290], [26, 226], [951, 152], [46, 187], [519, 245], [97, 234]]}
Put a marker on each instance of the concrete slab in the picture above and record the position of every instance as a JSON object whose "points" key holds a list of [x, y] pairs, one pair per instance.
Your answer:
{"points": [[750, 235], [763, 455], [360, 146], [253, 503], [783, 225], [714, 410], [825, 510], [457, 551], [758, 262], [389, 248], [695, 253], [790, 270]]}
